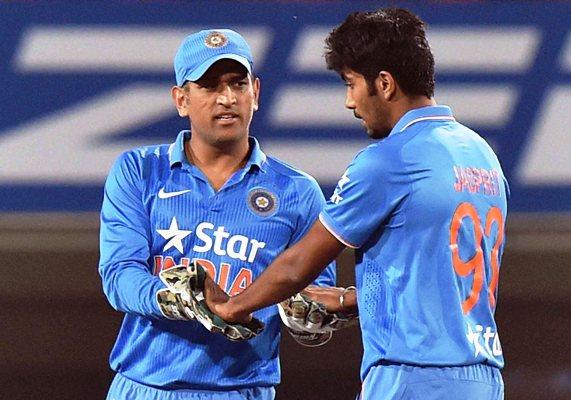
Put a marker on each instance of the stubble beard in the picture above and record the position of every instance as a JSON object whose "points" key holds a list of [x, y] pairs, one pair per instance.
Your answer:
{"points": [[376, 133]]}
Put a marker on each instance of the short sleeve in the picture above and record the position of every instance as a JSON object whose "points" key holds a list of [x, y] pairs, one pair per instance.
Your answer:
{"points": [[370, 189]]}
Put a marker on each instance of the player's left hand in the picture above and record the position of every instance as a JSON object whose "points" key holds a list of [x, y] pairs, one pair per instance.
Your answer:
{"points": [[328, 296], [335, 299], [303, 313]]}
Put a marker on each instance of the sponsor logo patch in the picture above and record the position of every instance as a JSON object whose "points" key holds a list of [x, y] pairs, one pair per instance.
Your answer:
{"points": [[215, 40], [262, 202], [167, 195]]}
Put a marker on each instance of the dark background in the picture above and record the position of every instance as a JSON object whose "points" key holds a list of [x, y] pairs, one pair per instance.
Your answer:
{"points": [[58, 329]]}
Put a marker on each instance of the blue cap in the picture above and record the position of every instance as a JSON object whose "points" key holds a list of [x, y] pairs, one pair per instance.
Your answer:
{"points": [[200, 50]]}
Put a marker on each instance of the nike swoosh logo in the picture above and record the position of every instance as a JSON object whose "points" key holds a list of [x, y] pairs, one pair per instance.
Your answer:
{"points": [[168, 195]]}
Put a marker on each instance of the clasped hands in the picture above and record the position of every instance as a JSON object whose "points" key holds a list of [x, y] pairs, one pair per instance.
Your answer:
{"points": [[225, 306]]}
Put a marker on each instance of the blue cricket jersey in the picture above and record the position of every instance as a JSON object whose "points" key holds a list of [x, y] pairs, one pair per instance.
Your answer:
{"points": [[159, 211], [426, 209]]}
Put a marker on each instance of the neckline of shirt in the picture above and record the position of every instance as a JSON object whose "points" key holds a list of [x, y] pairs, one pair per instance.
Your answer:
{"points": [[176, 152], [427, 113], [433, 118]]}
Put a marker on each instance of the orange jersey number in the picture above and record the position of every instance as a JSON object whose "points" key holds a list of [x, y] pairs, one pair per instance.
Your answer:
{"points": [[475, 265]]}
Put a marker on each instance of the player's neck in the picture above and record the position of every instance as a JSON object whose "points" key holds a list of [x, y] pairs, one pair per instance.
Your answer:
{"points": [[408, 103], [217, 163]]}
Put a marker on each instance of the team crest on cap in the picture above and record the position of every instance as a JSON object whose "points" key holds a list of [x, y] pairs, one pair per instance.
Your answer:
{"points": [[215, 40], [262, 202]]}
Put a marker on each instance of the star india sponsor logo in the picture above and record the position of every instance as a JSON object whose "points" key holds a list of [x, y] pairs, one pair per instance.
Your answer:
{"points": [[212, 238], [233, 279]]}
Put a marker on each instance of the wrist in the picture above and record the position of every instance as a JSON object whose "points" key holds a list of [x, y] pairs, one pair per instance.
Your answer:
{"points": [[344, 307], [235, 311]]}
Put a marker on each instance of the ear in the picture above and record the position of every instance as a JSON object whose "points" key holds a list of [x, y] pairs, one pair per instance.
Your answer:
{"points": [[180, 100], [386, 85], [256, 87]]}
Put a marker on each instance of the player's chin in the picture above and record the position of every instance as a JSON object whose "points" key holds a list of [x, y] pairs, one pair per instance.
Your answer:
{"points": [[374, 133], [230, 134], [229, 126]]}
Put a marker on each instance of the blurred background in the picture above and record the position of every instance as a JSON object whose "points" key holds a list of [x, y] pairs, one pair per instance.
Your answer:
{"points": [[82, 81]]}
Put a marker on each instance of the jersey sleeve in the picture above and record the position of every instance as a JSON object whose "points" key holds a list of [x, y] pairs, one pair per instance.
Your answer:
{"points": [[125, 242], [311, 202], [372, 186]]}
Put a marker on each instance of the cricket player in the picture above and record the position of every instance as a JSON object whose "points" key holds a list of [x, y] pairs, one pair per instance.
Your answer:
{"points": [[424, 207], [212, 196]]}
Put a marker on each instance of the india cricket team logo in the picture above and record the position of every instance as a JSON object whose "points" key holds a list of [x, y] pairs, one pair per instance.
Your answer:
{"points": [[215, 40], [262, 202]]}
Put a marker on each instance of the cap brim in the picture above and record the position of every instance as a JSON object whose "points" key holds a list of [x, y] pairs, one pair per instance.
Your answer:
{"points": [[202, 68]]}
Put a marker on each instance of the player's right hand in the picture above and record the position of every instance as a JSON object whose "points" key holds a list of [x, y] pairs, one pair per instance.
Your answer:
{"points": [[221, 304]]}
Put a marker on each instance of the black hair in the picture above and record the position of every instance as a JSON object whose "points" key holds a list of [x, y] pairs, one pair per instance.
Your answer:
{"points": [[390, 39]]}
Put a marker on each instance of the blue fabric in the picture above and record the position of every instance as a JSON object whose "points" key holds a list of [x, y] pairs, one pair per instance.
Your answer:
{"points": [[159, 211], [125, 389], [200, 50], [406, 382], [426, 209]]}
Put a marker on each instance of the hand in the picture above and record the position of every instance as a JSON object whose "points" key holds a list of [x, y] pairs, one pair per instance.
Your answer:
{"points": [[220, 303], [213, 293], [328, 296]]}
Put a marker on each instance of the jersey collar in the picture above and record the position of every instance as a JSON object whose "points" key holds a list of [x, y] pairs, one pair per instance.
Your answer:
{"points": [[177, 156], [257, 156], [428, 113], [176, 149]]}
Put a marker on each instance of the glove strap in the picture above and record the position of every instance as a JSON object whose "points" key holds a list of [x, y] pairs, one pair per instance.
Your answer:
{"points": [[342, 297]]}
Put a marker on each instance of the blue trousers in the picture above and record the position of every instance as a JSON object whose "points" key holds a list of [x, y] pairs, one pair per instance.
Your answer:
{"points": [[408, 382], [126, 389]]}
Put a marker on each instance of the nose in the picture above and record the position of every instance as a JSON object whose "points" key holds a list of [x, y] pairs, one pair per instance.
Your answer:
{"points": [[349, 102], [227, 97]]}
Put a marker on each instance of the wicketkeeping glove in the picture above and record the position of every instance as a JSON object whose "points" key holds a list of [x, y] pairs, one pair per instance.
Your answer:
{"points": [[308, 321], [183, 299]]}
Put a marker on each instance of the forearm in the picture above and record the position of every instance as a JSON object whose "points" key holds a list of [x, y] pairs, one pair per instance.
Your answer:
{"points": [[127, 280], [286, 276], [124, 242], [291, 272], [131, 289]]}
